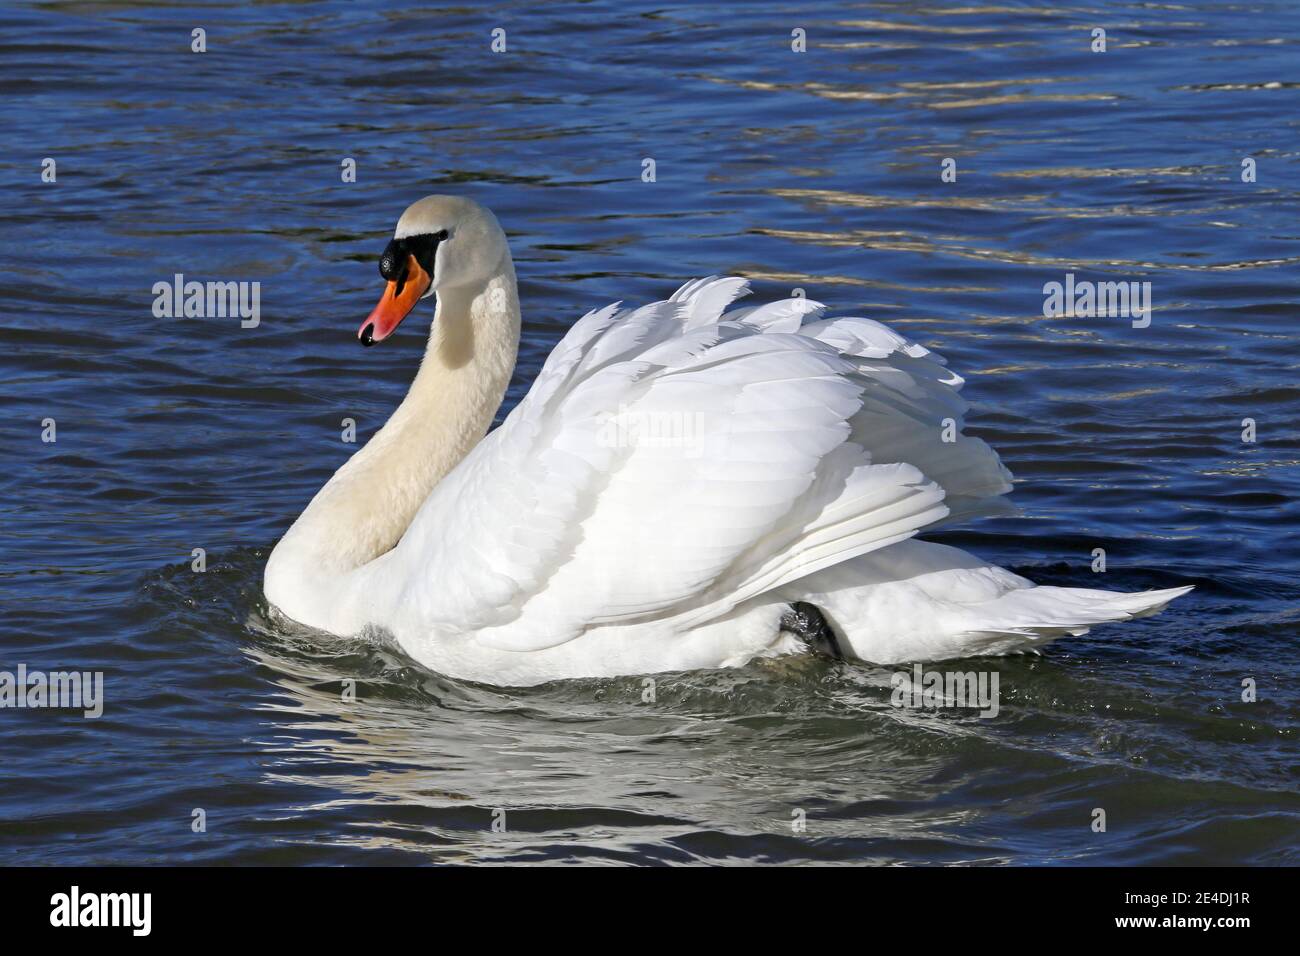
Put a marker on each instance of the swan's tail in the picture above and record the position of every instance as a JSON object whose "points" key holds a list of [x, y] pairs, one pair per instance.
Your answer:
{"points": [[1030, 618], [919, 601]]}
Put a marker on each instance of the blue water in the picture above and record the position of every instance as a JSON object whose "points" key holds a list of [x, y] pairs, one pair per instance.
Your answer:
{"points": [[816, 170]]}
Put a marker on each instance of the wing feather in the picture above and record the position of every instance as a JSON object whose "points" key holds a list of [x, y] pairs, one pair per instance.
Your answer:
{"points": [[672, 461]]}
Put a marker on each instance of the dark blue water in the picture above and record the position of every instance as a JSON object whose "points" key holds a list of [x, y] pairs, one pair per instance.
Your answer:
{"points": [[818, 170]]}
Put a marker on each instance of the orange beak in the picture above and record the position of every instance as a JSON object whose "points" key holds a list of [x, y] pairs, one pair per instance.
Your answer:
{"points": [[398, 299]]}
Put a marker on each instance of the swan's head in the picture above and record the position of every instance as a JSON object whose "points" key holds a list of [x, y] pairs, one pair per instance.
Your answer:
{"points": [[441, 242]]}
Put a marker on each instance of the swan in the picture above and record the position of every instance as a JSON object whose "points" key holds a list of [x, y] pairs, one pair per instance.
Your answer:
{"points": [[684, 486]]}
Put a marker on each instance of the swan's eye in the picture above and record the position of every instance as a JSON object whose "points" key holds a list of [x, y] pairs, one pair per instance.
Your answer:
{"points": [[393, 262]]}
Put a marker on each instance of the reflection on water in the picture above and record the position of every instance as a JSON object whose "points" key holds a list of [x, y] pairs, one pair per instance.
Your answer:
{"points": [[816, 170]]}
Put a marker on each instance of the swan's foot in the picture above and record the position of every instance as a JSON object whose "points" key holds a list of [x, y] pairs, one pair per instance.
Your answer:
{"points": [[806, 623]]}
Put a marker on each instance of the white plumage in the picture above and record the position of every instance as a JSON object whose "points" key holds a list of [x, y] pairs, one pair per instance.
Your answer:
{"points": [[676, 476]]}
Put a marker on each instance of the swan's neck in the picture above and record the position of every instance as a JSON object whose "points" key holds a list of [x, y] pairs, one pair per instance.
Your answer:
{"points": [[362, 511]]}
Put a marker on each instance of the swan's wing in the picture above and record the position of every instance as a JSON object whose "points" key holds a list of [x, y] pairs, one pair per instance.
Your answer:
{"points": [[671, 462], [912, 412]]}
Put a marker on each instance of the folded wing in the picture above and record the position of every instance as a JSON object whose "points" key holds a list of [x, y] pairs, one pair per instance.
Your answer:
{"points": [[672, 461]]}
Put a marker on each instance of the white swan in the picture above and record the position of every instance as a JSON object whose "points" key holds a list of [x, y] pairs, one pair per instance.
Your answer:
{"points": [[676, 479]]}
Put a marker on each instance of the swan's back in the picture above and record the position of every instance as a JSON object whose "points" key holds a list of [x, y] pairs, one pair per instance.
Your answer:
{"points": [[676, 460]]}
